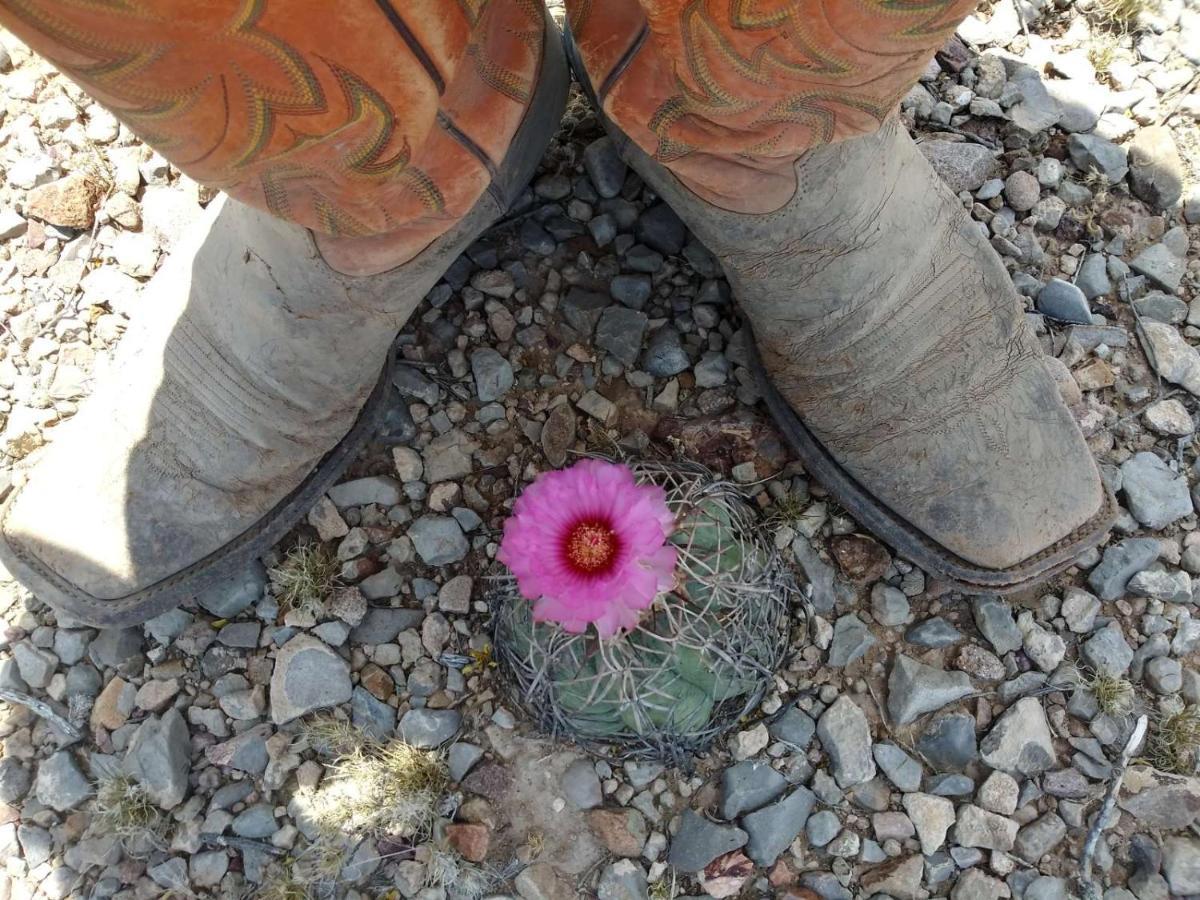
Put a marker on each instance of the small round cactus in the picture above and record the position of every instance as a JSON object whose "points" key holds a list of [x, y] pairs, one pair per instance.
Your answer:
{"points": [[700, 658]]}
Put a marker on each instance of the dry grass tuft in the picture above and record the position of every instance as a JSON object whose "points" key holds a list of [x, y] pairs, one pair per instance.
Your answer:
{"points": [[305, 579], [333, 737], [1174, 742], [281, 883], [1121, 13], [1113, 695], [390, 789], [124, 808], [1102, 49], [460, 879]]}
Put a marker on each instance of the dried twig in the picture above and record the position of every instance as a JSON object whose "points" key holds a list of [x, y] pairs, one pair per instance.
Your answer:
{"points": [[1087, 885], [45, 710]]}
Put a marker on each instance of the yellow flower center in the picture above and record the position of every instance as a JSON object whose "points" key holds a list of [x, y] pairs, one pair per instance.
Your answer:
{"points": [[591, 546]]}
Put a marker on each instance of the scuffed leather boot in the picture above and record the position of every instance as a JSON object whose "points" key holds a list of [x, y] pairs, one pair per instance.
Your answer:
{"points": [[893, 353], [242, 391]]}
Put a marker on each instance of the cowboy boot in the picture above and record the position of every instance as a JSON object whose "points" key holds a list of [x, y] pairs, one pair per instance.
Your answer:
{"points": [[252, 378], [892, 351]]}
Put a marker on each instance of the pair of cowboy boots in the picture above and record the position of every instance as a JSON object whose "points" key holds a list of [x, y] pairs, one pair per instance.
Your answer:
{"points": [[889, 343]]}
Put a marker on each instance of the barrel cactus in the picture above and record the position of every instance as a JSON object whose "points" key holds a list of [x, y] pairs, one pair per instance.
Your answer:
{"points": [[700, 657]]}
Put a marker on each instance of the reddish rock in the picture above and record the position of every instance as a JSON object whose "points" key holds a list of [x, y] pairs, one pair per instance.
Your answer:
{"points": [[861, 559], [542, 882], [721, 442], [471, 841], [781, 874], [726, 875], [622, 831], [490, 781], [112, 708], [69, 202], [379, 683]]}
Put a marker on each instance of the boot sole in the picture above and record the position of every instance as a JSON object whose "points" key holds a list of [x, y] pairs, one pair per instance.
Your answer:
{"points": [[231, 560], [913, 544]]}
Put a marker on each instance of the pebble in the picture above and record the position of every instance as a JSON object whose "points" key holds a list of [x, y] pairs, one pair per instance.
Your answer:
{"points": [[901, 769], [429, 728], [1156, 495], [749, 785], [846, 736], [1065, 302], [1120, 563], [60, 784], [915, 689], [851, 640], [438, 540], [308, 676], [159, 758], [1019, 742], [772, 829], [699, 841]]}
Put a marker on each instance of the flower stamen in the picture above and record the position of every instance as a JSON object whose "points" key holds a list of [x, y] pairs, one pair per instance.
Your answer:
{"points": [[591, 546]]}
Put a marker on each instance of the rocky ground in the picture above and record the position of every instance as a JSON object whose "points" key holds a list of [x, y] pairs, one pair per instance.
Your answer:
{"points": [[916, 744]]}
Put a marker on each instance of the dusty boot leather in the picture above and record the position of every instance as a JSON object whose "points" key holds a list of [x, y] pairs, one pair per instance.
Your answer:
{"points": [[896, 359], [247, 383]]}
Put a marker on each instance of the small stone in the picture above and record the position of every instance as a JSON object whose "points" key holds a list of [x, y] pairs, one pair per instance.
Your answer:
{"points": [[172, 875], [915, 689], [621, 831], [69, 202], [932, 817], [1120, 563], [999, 793], [1156, 169], [455, 595], [228, 598], [438, 540], [851, 640], [976, 827], [962, 166], [699, 841], [934, 633], [461, 758], [750, 742], [558, 434], [1079, 609], [1170, 587], [1039, 837], [581, 785], [60, 784], [1181, 865], [823, 827], [255, 822], [665, 356], [15, 780], [1107, 652], [598, 407], [493, 374], [1021, 189], [622, 880], [470, 841], [794, 727], [994, 619], [1064, 301], [1090, 151], [308, 676], [748, 786], [901, 769], [772, 829], [362, 491], [604, 167], [948, 743], [1156, 495], [1045, 648], [1170, 355], [846, 736], [1164, 675], [889, 606], [158, 758], [1020, 742], [429, 728]]}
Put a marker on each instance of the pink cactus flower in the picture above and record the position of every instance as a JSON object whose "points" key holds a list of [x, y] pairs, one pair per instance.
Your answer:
{"points": [[588, 545]]}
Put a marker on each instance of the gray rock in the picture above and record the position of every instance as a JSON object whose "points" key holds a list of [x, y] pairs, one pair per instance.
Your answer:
{"points": [[1021, 190], [794, 727], [229, 598], [247, 752], [1162, 308], [915, 689], [665, 356], [159, 757], [461, 758], [622, 880], [823, 827], [1039, 837], [581, 309], [977, 827], [1164, 675], [901, 769], [1020, 742], [1036, 110], [1120, 563], [1181, 865], [167, 626], [414, 385], [36, 666], [1092, 277], [948, 743], [889, 606], [748, 786], [581, 785], [362, 491], [1156, 495], [1079, 609], [631, 290], [1161, 266], [114, 646], [240, 634], [370, 714], [257, 821], [963, 166], [851, 640], [1107, 652], [309, 675], [15, 780], [493, 374], [381, 625], [207, 869], [935, 632], [846, 736], [1065, 302], [438, 540], [699, 841], [171, 874], [1048, 887], [1156, 169], [604, 167], [60, 784], [712, 370], [1157, 584], [429, 728], [1090, 151], [620, 332], [995, 621], [932, 816], [772, 829], [661, 228]]}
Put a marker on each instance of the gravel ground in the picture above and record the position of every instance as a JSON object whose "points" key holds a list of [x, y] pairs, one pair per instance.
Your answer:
{"points": [[917, 744]]}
